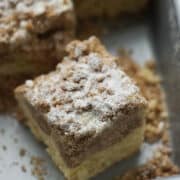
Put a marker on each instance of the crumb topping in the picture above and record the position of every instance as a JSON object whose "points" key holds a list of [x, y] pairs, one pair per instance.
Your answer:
{"points": [[84, 94], [19, 19]]}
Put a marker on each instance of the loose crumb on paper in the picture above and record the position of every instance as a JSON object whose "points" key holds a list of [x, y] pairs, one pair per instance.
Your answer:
{"points": [[23, 168], [157, 123], [22, 152], [38, 167]]}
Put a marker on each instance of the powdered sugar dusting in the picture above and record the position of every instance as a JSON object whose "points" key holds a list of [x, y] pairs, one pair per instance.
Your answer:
{"points": [[84, 94]]}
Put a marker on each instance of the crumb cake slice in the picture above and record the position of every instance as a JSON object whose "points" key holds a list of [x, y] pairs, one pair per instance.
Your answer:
{"points": [[33, 35], [88, 112], [107, 8]]}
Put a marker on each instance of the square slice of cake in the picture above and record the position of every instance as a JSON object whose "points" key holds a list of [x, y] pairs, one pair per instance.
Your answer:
{"points": [[33, 35], [88, 112]]}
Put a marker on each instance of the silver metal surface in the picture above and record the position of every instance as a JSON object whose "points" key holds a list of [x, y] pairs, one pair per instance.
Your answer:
{"points": [[169, 178], [167, 45], [136, 37]]}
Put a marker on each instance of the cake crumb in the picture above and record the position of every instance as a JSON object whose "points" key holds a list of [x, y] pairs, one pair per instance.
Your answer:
{"points": [[38, 169], [23, 168], [22, 152], [29, 83]]}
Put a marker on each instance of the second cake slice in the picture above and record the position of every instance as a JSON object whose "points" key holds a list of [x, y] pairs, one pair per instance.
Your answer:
{"points": [[88, 112], [33, 36]]}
